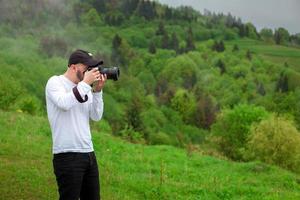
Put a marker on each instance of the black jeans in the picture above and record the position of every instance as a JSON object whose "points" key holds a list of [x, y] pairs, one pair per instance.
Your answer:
{"points": [[77, 176]]}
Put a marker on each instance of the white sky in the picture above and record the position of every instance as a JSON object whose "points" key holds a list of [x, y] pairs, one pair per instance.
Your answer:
{"points": [[262, 13]]}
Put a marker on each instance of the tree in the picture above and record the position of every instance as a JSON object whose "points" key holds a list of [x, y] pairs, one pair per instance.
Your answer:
{"points": [[206, 112], [282, 84], [281, 36], [152, 47], [275, 141], [129, 6], [235, 48], [91, 18], [184, 102], [161, 29], [266, 34], [174, 44], [165, 41], [133, 113], [221, 66], [218, 46], [234, 125], [248, 55], [116, 43], [147, 9], [190, 46]]}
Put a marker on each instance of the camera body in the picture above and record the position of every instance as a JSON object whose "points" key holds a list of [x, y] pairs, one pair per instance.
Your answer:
{"points": [[111, 72]]}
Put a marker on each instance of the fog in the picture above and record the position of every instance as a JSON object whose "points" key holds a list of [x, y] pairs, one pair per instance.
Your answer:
{"points": [[262, 13]]}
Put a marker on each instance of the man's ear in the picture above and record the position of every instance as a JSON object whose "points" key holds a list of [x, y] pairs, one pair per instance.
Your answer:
{"points": [[72, 66]]}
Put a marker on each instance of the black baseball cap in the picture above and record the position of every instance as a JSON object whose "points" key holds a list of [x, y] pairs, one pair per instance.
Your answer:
{"points": [[84, 57]]}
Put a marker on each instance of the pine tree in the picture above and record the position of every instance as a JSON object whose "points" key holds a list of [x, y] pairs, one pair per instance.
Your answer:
{"points": [[116, 43], [165, 41], [174, 44], [221, 66], [161, 29], [248, 55], [152, 48], [190, 46], [235, 48]]}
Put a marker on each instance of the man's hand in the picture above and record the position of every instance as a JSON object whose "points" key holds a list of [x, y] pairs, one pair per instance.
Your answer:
{"points": [[100, 83], [91, 76]]}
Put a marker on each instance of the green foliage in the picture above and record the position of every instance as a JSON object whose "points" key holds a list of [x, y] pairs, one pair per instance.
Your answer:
{"points": [[10, 91], [185, 103], [233, 126], [281, 36], [29, 104], [53, 46], [275, 141], [266, 34], [159, 138], [91, 18]]}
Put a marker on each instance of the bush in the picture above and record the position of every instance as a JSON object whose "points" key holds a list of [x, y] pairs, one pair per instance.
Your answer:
{"points": [[159, 138], [233, 126], [275, 141], [29, 104], [10, 90], [131, 135]]}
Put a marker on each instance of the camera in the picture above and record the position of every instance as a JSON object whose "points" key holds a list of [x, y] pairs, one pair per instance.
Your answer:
{"points": [[111, 72]]}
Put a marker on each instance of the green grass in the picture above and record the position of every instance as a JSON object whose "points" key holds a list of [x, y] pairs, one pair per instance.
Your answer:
{"points": [[132, 171], [277, 54]]}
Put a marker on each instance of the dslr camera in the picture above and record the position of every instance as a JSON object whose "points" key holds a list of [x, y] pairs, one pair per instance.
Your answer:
{"points": [[111, 72]]}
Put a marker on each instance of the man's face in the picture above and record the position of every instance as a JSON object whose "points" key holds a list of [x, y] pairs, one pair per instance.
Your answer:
{"points": [[80, 70]]}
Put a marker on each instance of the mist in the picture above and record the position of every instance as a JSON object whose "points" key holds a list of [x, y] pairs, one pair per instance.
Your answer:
{"points": [[267, 13]]}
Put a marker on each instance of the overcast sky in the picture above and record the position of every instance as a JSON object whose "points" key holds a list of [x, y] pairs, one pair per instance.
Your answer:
{"points": [[262, 13]]}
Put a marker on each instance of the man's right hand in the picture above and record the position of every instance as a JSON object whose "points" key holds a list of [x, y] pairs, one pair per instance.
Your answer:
{"points": [[91, 76]]}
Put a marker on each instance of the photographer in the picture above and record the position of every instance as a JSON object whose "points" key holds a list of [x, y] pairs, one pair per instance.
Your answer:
{"points": [[71, 102]]}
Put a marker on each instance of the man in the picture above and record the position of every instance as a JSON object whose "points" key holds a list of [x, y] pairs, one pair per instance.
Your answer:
{"points": [[71, 102]]}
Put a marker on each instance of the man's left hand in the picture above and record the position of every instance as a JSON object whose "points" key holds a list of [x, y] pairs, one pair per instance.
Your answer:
{"points": [[98, 85]]}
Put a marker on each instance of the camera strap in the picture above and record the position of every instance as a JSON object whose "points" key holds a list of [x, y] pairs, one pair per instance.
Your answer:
{"points": [[78, 96]]}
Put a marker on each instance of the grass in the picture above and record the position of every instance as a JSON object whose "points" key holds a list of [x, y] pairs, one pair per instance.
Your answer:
{"points": [[132, 171], [275, 53]]}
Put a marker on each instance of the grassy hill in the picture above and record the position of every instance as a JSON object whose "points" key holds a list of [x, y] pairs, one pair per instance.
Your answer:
{"points": [[274, 53], [132, 171]]}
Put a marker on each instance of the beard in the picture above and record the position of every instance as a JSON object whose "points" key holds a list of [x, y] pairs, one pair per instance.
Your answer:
{"points": [[79, 75]]}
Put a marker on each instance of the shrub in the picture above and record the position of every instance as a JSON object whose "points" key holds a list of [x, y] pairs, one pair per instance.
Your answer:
{"points": [[10, 90], [233, 126], [29, 104], [275, 141], [160, 138]]}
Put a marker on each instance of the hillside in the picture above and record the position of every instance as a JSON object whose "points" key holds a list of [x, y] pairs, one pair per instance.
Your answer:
{"points": [[130, 171], [206, 106]]}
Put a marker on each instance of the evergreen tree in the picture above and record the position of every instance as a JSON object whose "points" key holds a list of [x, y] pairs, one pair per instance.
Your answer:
{"points": [[129, 6], [221, 66], [282, 83], [248, 55], [147, 9], [165, 41], [218, 46], [161, 29], [235, 48], [168, 13], [116, 43], [174, 43], [190, 46], [152, 47]]}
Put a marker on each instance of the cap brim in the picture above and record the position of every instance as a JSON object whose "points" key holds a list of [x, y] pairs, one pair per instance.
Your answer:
{"points": [[93, 63]]}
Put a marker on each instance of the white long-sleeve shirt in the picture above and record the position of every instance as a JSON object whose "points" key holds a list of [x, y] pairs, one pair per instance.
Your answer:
{"points": [[69, 119]]}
